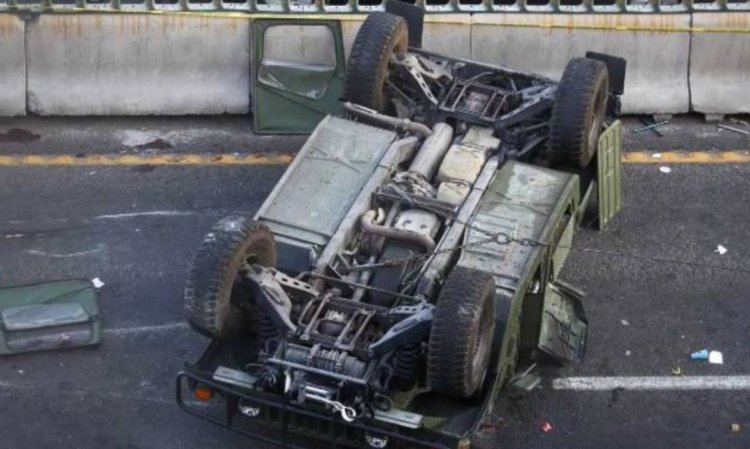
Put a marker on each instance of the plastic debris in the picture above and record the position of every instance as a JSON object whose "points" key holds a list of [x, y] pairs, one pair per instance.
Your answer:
{"points": [[716, 357], [545, 427], [733, 129], [700, 355], [737, 121], [97, 283], [656, 155], [721, 250], [625, 322], [651, 127], [677, 371], [736, 428], [665, 169], [628, 353]]}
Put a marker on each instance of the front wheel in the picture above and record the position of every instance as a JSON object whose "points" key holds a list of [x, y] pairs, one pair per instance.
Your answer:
{"points": [[212, 303]]}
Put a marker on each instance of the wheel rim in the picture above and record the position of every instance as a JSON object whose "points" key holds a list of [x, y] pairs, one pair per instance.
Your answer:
{"points": [[481, 347], [385, 97], [600, 105]]}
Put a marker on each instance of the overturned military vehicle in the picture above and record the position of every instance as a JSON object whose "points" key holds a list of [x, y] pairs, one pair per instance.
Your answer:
{"points": [[405, 267]]}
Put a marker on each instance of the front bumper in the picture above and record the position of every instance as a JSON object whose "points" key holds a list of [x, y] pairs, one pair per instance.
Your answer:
{"points": [[277, 421]]}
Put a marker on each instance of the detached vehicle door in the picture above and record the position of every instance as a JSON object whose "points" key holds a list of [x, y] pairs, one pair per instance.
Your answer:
{"points": [[298, 73]]}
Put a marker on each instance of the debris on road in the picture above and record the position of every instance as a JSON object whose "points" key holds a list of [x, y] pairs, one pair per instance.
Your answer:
{"points": [[700, 355], [714, 357], [721, 250], [677, 371], [47, 316], [651, 125], [545, 427], [737, 121], [97, 283], [628, 353], [665, 169], [736, 428], [733, 129], [625, 322], [656, 155]]}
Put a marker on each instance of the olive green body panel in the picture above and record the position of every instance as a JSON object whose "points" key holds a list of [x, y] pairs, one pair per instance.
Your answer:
{"points": [[532, 208], [289, 96], [609, 174], [51, 315]]}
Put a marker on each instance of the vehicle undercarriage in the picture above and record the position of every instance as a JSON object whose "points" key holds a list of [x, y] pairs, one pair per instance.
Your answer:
{"points": [[407, 262]]}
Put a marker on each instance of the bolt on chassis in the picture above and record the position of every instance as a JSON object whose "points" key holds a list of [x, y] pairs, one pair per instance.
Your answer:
{"points": [[405, 268]]}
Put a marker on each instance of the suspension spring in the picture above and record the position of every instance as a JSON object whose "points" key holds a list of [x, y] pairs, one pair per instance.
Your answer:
{"points": [[405, 366]]}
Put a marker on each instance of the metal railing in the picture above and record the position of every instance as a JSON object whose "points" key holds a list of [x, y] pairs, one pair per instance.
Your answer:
{"points": [[364, 6]]}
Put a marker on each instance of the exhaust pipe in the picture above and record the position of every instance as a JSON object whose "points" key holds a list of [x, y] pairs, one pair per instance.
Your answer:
{"points": [[401, 124], [368, 223]]}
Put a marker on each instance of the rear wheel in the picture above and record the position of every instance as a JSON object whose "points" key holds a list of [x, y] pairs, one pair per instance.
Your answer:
{"points": [[212, 305], [381, 36], [462, 330], [578, 113]]}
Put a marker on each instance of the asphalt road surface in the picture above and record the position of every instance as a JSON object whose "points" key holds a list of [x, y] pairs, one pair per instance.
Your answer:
{"points": [[657, 290]]}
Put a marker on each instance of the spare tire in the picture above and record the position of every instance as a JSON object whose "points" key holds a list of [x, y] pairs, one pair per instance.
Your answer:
{"points": [[578, 113], [381, 36], [211, 298], [463, 326]]}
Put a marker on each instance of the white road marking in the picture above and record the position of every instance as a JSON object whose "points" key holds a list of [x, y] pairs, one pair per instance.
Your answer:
{"points": [[153, 213], [146, 329], [14, 385], [35, 252], [653, 383]]}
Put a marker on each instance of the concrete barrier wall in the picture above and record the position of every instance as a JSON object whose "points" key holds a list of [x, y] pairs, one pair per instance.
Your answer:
{"points": [[120, 64], [137, 65], [720, 63], [12, 66], [656, 79]]}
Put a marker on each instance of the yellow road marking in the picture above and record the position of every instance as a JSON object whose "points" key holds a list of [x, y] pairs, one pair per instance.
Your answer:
{"points": [[687, 157], [135, 159], [64, 160]]}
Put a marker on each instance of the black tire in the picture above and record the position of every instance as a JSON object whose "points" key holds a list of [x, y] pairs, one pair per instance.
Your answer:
{"points": [[578, 113], [462, 330], [381, 36], [212, 284]]}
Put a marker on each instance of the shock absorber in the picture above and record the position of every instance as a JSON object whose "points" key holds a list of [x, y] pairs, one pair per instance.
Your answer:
{"points": [[268, 335], [405, 366]]}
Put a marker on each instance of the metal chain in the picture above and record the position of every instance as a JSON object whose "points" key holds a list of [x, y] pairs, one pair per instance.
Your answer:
{"points": [[504, 238]]}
